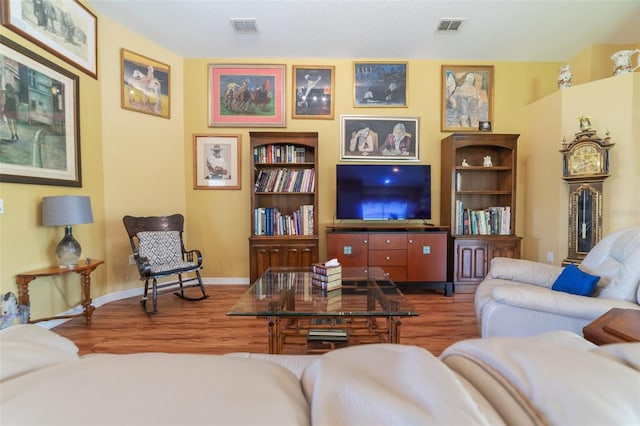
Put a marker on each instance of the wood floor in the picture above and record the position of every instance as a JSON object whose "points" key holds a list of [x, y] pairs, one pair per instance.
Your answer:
{"points": [[203, 327]]}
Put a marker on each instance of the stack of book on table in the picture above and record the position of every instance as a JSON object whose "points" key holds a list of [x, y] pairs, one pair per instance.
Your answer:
{"points": [[327, 276], [327, 334]]}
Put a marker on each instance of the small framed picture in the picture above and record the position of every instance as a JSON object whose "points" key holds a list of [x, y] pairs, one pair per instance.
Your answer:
{"points": [[145, 84], [246, 95], [379, 138], [484, 126], [313, 92], [467, 97], [380, 84], [217, 163]]}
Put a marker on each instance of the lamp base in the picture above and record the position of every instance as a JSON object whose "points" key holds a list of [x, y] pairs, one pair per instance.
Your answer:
{"points": [[68, 250]]}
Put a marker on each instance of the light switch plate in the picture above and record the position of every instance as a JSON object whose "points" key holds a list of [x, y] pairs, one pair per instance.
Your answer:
{"points": [[1, 206]]}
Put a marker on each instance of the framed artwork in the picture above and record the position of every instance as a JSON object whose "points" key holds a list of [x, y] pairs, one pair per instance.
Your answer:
{"points": [[65, 28], [313, 92], [246, 95], [380, 84], [467, 97], [40, 134], [217, 162], [379, 138], [145, 84]]}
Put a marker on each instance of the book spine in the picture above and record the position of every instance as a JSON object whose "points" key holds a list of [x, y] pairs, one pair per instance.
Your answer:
{"points": [[323, 270]]}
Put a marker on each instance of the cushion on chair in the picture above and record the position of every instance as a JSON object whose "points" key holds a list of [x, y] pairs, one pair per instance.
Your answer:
{"points": [[160, 247], [573, 280]]}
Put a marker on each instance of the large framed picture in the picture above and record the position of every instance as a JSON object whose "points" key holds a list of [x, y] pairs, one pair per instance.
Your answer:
{"points": [[380, 84], [217, 162], [145, 84], [40, 134], [63, 27], [379, 138], [246, 95], [467, 97], [313, 92]]}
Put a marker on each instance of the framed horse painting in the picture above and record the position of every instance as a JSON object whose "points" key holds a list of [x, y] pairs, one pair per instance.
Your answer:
{"points": [[246, 95], [145, 84], [65, 28]]}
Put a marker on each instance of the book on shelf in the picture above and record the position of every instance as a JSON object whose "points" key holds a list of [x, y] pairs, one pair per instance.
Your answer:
{"points": [[487, 221]]}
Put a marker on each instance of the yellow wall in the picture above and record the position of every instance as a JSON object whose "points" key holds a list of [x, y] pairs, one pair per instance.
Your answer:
{"points": [[24, 243], [219, 221], [594, 62], [140, 164], [614, 105]]}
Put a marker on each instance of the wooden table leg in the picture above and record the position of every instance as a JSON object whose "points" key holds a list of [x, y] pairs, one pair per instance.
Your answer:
{"points": [[87, 307], [23, 292]]}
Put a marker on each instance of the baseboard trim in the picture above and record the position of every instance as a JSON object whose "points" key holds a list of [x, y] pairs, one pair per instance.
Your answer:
{"points": [[125, 294]]}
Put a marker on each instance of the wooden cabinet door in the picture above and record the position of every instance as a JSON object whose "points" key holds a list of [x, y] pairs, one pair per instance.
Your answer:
{"points": [[506, 247], [264, 256], [471, 260], [427, 257], [351, 249], [300, 254]]}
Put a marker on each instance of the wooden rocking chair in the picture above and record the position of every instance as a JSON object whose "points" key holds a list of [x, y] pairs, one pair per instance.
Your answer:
{"points": [[159, 253]]}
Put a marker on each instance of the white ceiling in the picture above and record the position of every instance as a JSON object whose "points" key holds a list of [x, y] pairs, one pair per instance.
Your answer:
{"points": [[507, 30]]}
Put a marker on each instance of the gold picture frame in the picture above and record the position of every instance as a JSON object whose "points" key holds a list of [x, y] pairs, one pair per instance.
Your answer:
{"points": [[467, 97], [73, 37], [145, 84], [217, 162], [313, 92]]}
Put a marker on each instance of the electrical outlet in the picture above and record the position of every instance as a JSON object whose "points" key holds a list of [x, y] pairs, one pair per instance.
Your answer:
{"points": [[1, 206], [550, 256], [132, 261]]}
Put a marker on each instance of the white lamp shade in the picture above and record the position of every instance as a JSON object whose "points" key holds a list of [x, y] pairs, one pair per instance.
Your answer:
{"points": [[66, 210]]}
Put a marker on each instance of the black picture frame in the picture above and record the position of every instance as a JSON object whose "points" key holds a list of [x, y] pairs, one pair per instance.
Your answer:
{"points": [[47, 117]]}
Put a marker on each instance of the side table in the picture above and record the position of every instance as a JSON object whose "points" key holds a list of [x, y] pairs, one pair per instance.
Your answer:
{"points": [[616, 326], [84, 268]]}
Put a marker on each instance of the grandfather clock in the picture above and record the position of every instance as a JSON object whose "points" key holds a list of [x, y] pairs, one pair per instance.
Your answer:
{"points": [[585, 167]]}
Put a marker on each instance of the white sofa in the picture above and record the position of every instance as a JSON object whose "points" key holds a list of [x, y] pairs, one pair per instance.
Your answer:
{"points": [[516, 298], [557, 378]]}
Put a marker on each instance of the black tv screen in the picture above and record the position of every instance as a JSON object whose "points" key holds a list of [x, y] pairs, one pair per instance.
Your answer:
{"points": [[383, 192]]}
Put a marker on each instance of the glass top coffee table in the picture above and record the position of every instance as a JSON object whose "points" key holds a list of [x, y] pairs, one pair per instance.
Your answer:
{"points": [[295, 309]]}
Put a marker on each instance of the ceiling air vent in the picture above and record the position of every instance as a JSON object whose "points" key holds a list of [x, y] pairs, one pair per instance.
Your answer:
{"points": [[244, 25], [449, 25]]}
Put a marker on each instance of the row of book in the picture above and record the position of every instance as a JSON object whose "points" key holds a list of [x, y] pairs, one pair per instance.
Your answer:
{"points": [[489, 221], [279, 154], [270, 221], [285, 180]]}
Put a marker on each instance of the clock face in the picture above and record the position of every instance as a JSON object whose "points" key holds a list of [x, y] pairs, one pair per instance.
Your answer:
{"points": [[585, 160]]}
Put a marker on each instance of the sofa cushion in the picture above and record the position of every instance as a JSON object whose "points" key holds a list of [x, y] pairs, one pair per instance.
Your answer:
{"points": [[573, 280], [156, 389], [26, 348], [615, 259], [386, 384]]}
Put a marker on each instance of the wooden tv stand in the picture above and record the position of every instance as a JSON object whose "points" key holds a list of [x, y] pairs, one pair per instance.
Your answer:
{"points": [[413, 255]]}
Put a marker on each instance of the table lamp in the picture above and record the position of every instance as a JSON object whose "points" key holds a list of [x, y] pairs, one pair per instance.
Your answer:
{"points": [[67, 210]]}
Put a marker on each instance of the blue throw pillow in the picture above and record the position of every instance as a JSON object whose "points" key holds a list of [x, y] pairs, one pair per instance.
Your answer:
{"points": [[573, 280]]}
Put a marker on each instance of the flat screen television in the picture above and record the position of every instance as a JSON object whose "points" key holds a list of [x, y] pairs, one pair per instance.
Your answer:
{"points": [[383, 192]]}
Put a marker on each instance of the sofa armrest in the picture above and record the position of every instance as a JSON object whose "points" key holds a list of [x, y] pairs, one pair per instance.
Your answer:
{"points": [[559, 375], [525, 271], [556, 302]]}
